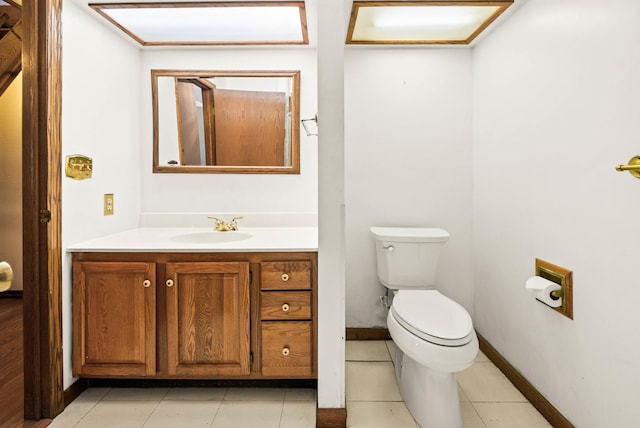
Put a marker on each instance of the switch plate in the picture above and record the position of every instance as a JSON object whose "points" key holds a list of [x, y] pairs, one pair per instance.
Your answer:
{"points": [[108, 204]]}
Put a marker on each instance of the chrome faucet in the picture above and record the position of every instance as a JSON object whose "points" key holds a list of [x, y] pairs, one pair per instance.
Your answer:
{"points": [[223, 226]]}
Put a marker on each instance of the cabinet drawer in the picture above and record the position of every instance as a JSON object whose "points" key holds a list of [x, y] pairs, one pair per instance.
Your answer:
{"points": [[285, 305], [286, 275], [286, 349]]}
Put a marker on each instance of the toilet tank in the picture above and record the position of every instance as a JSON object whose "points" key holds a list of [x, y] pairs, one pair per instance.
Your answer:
{"points": [[407, 257]]}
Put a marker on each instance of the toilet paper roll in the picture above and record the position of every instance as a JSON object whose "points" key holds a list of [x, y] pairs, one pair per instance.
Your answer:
{"points": [[541, 288]]}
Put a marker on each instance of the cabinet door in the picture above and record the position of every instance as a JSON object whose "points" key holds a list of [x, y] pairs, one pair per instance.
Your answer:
{"points": [[208, 318], [114, 319]]}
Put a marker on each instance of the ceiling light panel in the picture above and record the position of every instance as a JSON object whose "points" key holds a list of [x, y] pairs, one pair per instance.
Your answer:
{"points": [[421, 22], [209, 23]]}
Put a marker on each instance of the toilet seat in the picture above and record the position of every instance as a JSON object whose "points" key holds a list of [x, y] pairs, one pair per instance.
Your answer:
{"points": [[433, 317]]}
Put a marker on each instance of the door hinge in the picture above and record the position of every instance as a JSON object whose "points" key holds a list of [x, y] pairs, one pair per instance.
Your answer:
{"points": [[45, 216]]}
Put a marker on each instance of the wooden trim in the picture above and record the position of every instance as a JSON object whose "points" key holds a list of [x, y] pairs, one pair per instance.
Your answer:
{"points": [[331, 418], [251, 257], [11, 294], [314, 312], [209, 169], [14, 4], [74, 391], [368, 334], [101, 7], [562, 276], [201, 383], [41, 166], [550, 413], [502, 4]]}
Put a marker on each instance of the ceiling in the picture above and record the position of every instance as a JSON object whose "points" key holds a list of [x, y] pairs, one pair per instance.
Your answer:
{"points": [[311, 7]]}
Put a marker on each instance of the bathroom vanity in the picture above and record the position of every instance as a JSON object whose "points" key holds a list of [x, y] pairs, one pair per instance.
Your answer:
{"points": [[162, 303]]}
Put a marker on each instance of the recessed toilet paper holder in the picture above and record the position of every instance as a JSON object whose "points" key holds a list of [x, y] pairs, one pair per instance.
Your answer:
{"points": [[557, 294], [564, 278]]}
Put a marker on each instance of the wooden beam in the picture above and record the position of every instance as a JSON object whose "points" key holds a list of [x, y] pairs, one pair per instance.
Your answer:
{"points": [[41, 166], [10, 56]]}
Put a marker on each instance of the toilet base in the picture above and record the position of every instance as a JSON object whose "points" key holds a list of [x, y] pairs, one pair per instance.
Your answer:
{"points": [[430, 395]]}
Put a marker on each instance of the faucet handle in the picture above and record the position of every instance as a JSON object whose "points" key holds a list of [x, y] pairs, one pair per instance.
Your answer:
{"points": [[218, 222], [234, 225]]}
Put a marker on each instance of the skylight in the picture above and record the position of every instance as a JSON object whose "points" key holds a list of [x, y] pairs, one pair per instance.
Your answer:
{"points": [[209, 23], [421, 22]]}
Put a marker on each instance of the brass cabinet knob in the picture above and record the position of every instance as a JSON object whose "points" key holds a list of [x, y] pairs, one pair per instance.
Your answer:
{"points": [[285, 351], [285, 307], [169, 282], [285, 277], [146, 283]]}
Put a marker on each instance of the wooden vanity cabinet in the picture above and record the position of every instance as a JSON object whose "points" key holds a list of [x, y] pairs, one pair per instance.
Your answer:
{"points": [[114, 319], [195, 315], [287, 319]]}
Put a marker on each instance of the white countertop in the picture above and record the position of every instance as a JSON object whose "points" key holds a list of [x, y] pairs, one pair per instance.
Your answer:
{"points": [[188, 240]]}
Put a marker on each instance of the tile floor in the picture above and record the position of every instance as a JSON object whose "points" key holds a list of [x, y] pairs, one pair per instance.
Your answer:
{"points": [[190, 408], [373, 401], [487, 397]]}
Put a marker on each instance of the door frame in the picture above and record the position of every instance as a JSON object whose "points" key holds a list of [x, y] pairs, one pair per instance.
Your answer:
{"points": [[41, 182]]}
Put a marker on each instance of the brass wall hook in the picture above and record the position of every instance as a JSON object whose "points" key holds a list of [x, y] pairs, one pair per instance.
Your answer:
{"points": [[633, 167]]}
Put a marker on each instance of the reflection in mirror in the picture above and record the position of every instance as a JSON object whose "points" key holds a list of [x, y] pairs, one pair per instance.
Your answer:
{"points": [[226, 121]]}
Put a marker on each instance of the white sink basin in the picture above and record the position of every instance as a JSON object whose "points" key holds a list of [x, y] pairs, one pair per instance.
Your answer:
{"points": [[211, 237]]}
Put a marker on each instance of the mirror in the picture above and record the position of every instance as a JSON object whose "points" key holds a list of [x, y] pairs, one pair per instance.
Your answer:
{"points": [[226, 121]]}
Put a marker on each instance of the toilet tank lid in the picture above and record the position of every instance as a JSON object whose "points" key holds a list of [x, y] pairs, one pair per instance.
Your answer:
{"points": [[410, 234]]}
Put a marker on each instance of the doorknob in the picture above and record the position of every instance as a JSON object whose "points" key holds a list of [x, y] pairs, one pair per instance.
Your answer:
{"points": [[6, 276]]}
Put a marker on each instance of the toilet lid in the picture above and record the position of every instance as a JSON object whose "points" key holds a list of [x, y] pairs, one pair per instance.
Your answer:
{"points": [[432, 317]]}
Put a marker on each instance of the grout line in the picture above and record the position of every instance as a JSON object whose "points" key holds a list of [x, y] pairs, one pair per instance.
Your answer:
{"points": [[95, 403], [478, 414], [217, 411], [281, 412], [165, 394], [150, 414]]}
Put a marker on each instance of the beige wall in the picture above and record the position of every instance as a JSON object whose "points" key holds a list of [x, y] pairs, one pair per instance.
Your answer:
{"points": [[11, 179]]}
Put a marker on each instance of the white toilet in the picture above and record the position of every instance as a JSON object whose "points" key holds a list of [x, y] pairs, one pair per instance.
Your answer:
{"points": [[434, 335]]}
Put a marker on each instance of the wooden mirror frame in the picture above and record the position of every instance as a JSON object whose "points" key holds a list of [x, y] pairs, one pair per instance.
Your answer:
{"points": [[294, 168]]}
